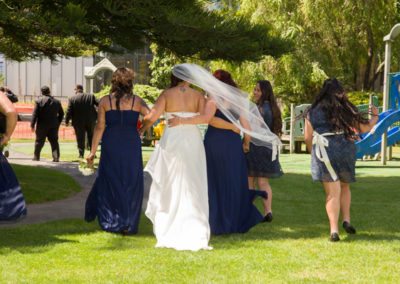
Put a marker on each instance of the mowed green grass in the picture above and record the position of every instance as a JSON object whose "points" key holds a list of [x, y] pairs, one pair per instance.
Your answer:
{"points": [[40, 184], [293, 248]]}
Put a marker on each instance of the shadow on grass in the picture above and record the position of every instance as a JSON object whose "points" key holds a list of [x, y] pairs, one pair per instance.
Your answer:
{"points": [[38, 238]]}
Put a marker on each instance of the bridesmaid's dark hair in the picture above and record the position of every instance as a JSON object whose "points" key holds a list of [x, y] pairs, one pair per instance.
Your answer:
{"points": [[174, 81], [224, 76], [342, 114], [122, 84], [267, 95]]}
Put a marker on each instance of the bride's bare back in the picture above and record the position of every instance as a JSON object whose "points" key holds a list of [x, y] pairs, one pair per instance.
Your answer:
{"points": [[183, 99]]}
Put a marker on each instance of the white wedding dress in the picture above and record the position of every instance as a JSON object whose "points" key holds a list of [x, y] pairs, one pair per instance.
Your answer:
{"points": [[178, 199]]}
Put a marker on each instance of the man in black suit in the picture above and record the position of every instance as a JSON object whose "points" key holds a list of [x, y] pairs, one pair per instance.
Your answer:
{"points": [[82, 112], [47, 116]]}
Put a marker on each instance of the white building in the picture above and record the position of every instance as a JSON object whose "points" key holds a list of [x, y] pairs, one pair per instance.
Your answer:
{"points": [[26, 78]]}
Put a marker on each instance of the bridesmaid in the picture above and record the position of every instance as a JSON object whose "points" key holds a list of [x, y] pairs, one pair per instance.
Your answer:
{"points": [[230, 201], [116, 196], [259, 159], [12, 202]]}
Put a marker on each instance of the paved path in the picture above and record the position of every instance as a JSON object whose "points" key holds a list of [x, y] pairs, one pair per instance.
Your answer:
{"points": [[72, 207], [69, 208]]}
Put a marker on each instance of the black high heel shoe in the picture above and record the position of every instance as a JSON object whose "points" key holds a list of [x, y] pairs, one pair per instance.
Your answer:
{"points": [[268, 218], [334, 237], [349, 228]]}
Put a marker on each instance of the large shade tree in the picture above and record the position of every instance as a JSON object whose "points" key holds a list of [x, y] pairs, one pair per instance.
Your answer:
{"points": [[34, 28]]}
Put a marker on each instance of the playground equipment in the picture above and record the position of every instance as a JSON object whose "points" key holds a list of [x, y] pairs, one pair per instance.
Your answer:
{"points": [[388, 39], [293, 128], [388, 123]]}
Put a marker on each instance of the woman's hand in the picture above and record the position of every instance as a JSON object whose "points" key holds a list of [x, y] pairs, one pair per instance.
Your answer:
{"points": [[90, 159], [174, 121], [246, 147], [374, 110], [235, 129]]}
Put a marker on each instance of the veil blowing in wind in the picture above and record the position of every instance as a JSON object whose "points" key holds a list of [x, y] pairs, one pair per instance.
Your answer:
{"points": [[232, 102]]}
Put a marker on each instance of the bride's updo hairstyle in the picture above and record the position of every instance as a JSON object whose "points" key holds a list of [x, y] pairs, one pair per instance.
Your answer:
{"points": [[122, 84], [224, 76]]}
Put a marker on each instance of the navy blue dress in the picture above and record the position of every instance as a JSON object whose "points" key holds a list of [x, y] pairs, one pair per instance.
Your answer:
{"points": [[259, 159], [341, 151], [230, 200], [12, 202], [117, 194]]}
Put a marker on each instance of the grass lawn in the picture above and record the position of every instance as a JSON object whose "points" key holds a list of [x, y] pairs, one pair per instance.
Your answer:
{"points": [[40, 184], [293, 248]]}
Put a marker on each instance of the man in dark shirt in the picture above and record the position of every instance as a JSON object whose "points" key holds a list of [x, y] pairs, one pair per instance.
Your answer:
{"points": [[82, 112], [47, 116]]}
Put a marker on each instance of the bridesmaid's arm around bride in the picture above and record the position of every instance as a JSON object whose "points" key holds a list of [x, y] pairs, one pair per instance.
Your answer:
{"points": [[207, 112]]}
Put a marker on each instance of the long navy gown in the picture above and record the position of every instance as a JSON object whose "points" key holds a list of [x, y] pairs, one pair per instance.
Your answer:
{"points": [[230, 200], [12, 202], [117, 194]]}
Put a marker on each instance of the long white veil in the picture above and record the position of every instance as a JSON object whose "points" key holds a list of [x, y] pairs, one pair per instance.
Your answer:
{"points": [[232, 102]]}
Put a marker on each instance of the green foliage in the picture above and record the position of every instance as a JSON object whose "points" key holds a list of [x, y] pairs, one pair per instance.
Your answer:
{"points": [[332, 38], [360, 98], [103, 92], [30, 29], [161, 66], [148, 93]]}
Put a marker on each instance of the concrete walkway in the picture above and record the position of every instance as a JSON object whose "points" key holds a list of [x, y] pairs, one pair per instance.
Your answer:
{"points": [[72, 207]]}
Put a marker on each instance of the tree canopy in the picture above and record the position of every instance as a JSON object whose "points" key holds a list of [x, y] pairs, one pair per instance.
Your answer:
{"points": [[34, 28]]}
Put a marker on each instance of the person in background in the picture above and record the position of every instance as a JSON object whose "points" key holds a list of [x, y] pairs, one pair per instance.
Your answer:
{"points": [[332, 125], [12, 202], [82, 111], [260, 165], [46, 119]]}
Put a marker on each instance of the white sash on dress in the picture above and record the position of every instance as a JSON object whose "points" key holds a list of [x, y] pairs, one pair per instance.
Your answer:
{"points": [[320, 142]]}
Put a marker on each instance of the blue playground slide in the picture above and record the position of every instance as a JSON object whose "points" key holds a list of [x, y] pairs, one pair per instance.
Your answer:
{"points": [[371, 143]]}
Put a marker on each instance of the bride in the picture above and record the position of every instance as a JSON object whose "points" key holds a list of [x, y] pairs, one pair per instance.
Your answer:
{"points": [[178, 200]]}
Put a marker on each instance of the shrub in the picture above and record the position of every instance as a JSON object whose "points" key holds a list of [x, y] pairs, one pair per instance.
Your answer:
{"points": [[148, 93]]}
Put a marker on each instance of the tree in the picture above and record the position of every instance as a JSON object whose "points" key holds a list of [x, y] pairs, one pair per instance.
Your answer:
{"points": [[33, 28], [344, 38]]}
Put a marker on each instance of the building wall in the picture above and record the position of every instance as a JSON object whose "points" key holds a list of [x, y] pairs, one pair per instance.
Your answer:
{"points": [[26, 78]]}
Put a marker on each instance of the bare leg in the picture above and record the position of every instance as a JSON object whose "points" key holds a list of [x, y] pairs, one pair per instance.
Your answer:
{"points": [[263, 184], [345, 201], [332, 204], [251, 183]]}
